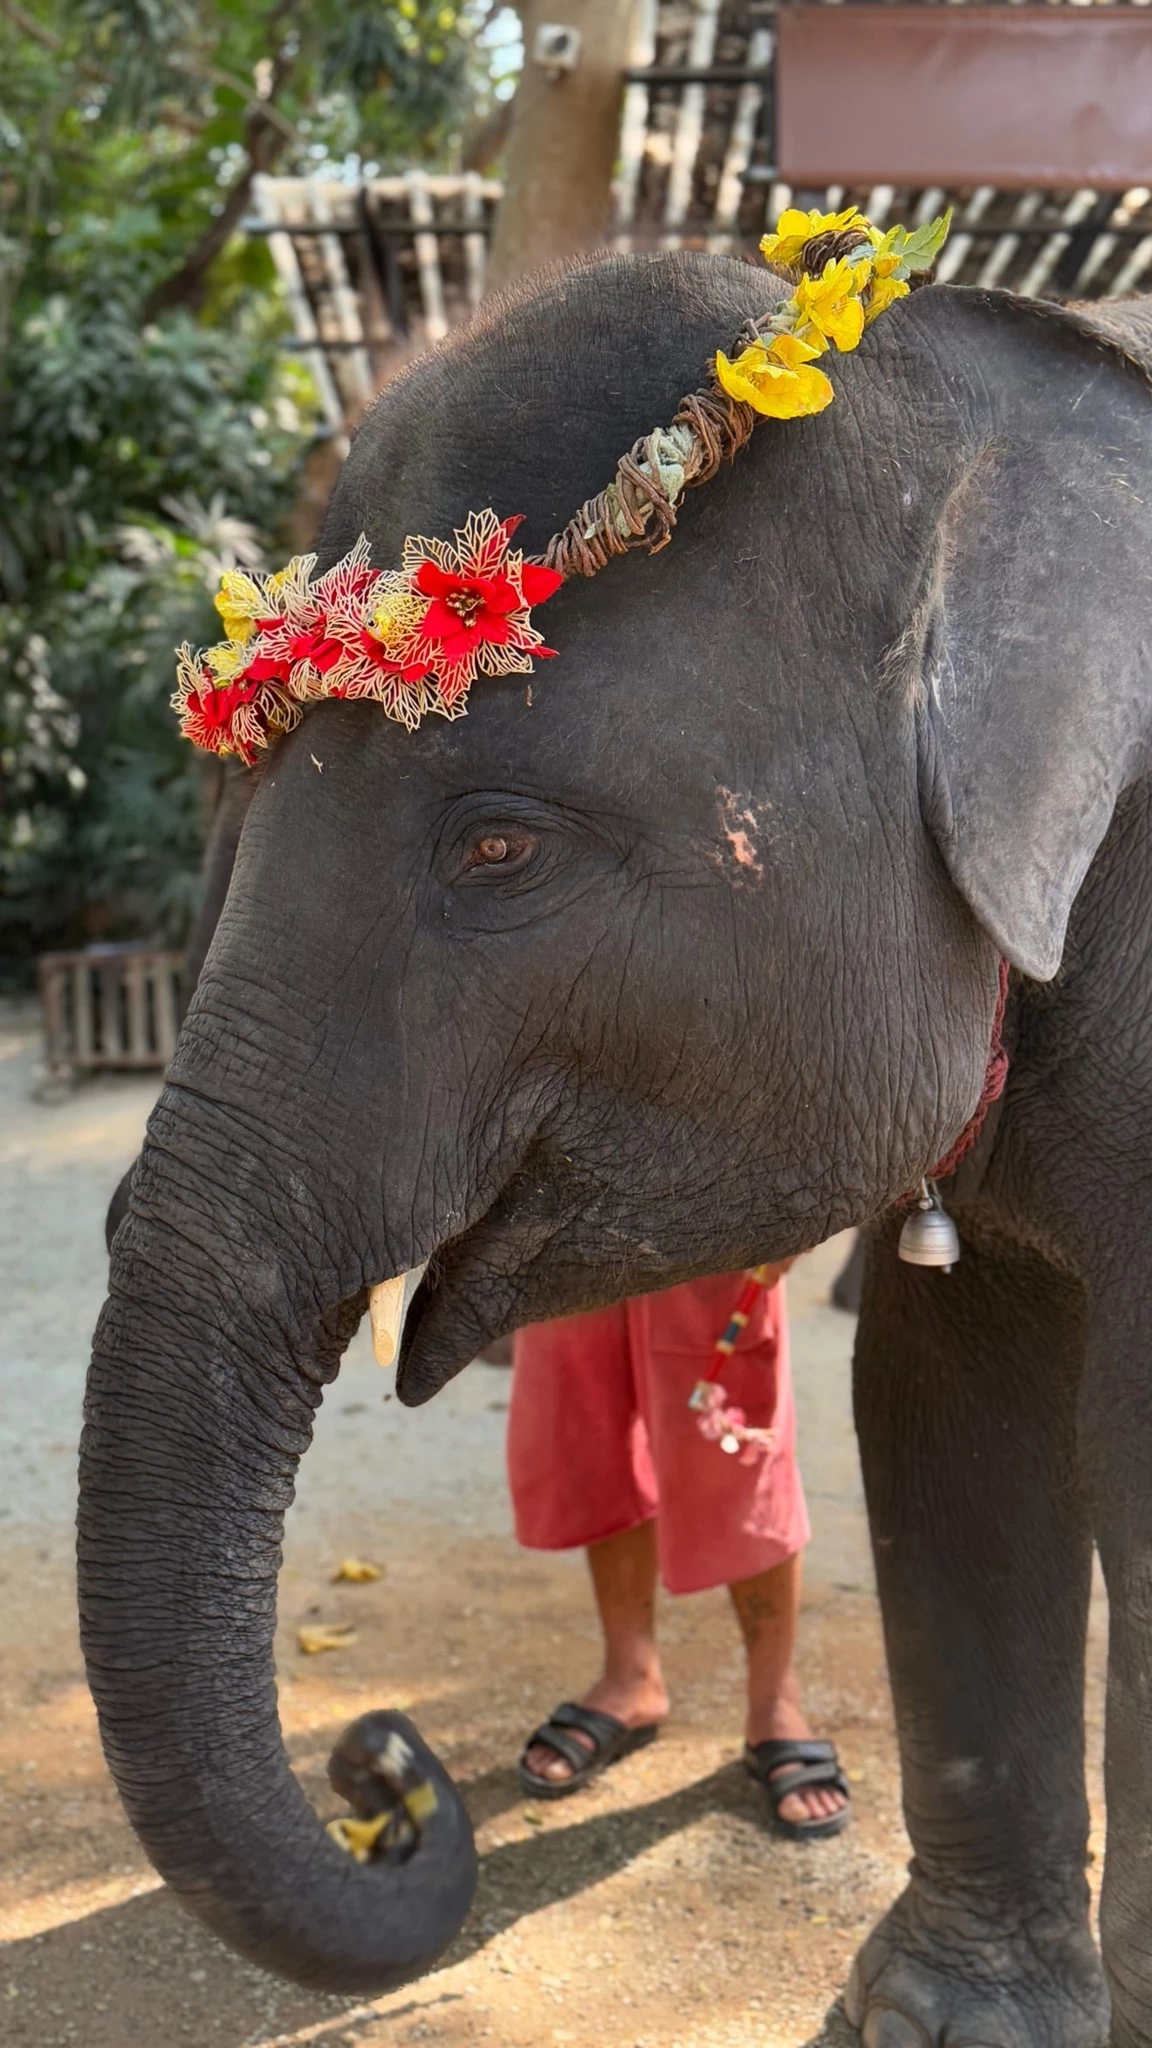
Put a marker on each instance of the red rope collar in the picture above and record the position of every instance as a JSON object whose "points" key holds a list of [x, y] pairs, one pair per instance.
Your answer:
{"points": [[995, 1076]]}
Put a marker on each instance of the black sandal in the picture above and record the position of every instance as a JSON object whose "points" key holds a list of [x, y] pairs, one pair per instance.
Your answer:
{"points": [[610, 1741], [816, 1763]]}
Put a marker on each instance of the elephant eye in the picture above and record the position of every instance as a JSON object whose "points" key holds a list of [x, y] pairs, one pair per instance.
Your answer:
{"points": [[502, 851]]}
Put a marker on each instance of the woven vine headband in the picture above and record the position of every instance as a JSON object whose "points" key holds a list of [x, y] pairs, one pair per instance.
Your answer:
{"points": [[414, 639]]}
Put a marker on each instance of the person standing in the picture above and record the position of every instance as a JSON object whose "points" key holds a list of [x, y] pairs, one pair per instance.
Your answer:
{"points": [[605, 1454]]}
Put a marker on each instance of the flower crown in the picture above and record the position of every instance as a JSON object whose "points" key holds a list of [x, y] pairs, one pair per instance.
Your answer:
{"points": [[414, 639]]}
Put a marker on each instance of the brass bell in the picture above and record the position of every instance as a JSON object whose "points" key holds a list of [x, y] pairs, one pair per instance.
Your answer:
{"points": [[929, 1236]]}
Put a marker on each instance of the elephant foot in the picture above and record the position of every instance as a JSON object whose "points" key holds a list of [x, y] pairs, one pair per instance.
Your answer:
{"points": [[932, 1976]]}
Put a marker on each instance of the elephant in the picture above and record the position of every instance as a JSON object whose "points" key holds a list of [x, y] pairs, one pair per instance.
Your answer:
{"points": [[679, 959]]}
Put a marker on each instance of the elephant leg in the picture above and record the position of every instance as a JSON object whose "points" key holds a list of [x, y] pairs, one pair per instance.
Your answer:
{"points": [[1116, 1438], [966, 1388], [850, 1279]]}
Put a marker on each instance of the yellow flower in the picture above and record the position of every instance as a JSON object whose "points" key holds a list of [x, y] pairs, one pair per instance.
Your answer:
{"points": [[326, 1635], [359, 1837], [884, 243], [831, 303], [226, 658], [794, 228], [885, 291], [773, 387], [793, 353], [396, 616], [240, 602], [237, 625]]}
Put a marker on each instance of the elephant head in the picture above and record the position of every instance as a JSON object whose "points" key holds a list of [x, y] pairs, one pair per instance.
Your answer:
{"points": [[677, 959]]}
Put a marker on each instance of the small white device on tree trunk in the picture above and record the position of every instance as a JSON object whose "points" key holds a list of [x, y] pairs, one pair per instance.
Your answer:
{"points": [[556, 47]]}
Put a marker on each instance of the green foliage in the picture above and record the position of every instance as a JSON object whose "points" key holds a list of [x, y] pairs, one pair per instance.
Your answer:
{"points": [[102, 823], [125, 122], [136, 467], [99, 420], [150, 433]]}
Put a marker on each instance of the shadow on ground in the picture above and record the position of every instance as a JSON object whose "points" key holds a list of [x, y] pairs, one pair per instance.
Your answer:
{"points": [[835, 2031], [146, 1956], [517, 1876]]}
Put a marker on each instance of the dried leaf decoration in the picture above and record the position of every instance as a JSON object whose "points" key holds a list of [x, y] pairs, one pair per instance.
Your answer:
{"points": [[328, 1635]]}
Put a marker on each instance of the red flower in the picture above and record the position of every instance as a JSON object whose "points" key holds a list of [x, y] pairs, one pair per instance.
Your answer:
{"points": [[313, 645], [467, 610], [538, 583], [208, 714], [310, 644], [414, 639], [268, 668], [215, 704], [408, 672]]}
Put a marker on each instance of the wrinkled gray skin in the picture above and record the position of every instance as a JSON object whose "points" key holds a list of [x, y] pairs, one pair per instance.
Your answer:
{"points": [[878, 715]]}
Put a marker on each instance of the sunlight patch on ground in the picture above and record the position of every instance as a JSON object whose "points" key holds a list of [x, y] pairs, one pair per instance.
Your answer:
{"points": [[73, 1902]]}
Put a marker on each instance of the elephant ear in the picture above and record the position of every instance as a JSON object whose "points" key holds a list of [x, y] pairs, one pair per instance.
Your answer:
{"points": [[1033, 649]]}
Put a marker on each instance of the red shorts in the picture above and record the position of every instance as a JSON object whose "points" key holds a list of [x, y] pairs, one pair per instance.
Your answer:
{"points": [[601, 1438]]}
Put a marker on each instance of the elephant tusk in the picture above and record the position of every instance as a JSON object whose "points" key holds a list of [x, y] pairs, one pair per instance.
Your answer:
{"points": [[386, 1309], [387, 1305]]}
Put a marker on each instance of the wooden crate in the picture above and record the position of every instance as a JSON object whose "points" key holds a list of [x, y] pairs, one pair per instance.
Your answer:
{"points": [[109, 1007]]}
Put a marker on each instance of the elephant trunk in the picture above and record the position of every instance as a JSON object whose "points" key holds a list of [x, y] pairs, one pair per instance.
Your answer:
{"points": [[200, 1403]]}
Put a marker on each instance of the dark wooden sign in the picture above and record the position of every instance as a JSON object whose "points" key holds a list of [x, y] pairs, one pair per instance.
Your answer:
{"points": [[1006, 96]]}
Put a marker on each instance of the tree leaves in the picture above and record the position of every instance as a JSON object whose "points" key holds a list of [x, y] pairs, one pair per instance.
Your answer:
{"points": [[916, 249], [414, 52], [132, 468]]}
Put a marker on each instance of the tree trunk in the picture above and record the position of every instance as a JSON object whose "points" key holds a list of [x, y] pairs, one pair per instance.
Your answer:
{"points": [[486, 141], [564, 141]]}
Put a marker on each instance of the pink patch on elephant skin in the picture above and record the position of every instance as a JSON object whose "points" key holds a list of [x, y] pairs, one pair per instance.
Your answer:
{"points": [[739, 824]]}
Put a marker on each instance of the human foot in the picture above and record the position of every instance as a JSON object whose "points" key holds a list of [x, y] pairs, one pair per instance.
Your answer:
{"points": [[767, 1607], [636, 1702], [782, 1720]]}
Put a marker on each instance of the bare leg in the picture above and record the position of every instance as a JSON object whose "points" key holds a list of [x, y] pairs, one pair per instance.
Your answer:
{"points": [[631, 1687], [767, 1608]]}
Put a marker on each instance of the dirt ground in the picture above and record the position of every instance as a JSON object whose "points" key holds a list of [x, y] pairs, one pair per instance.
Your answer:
{"points": [[651, 1911]]}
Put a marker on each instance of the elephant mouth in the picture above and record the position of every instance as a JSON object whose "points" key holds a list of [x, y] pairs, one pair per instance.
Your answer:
{"points": [[495, 1278], [539, 1251], [476, 1287], [420, 1364], [445, 1328]]}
